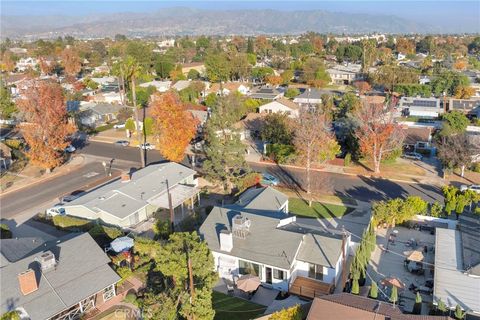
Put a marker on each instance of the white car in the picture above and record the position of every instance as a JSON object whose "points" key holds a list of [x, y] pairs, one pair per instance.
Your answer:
{"points": [[56, 211], [147, 146], [70, 149], [119, 126], [473, 187]]}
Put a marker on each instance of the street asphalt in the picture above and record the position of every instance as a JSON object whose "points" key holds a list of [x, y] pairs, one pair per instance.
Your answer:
{"points": [[124, 158], [358, 187]]}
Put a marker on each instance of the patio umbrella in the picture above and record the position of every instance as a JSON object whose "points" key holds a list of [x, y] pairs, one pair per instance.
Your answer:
{"points": [[248, 283], [121, 244], [416, 256], [393, 282]]}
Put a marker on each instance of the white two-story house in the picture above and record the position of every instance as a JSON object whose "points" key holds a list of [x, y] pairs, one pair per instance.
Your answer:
{"points": [[256, 236]]}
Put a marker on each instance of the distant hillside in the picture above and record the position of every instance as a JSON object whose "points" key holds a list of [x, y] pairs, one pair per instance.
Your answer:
{"points": [[187, 21]]}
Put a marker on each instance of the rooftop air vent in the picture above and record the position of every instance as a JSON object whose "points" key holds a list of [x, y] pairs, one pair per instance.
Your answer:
{"points": [[240, 226]]}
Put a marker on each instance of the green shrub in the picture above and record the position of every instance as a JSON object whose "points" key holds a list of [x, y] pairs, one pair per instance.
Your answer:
{"points": [[11, 315], [15, 144], [292, 93], [348, 160], [392, 156], [281, 153], [99, 231], [436, 209], [161, 228], [476, 167], [71, 223], [5, 232], [130, 298]]}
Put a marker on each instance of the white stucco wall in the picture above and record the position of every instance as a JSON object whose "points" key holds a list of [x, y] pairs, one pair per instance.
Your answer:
{"points": [[277, 107], [276, 283]]}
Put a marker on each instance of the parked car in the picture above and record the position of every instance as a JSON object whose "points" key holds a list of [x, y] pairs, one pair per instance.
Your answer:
{"points": [[412, 155], [473, 187], [56, 211], [269, 180], [70, 149], [122, 143], [147, 146], [119, 126]]}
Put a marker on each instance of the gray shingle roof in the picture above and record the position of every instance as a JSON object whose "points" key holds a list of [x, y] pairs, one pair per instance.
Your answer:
{"points": [[82, 270], [265, 198], [122, 199], [265, 243]]}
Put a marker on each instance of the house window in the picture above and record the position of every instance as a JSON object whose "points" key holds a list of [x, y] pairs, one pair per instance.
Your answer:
{"points": [[279, 274], [315, 271], [246, 267]]}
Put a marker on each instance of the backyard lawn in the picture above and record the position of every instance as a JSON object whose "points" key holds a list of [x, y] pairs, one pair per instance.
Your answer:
{"points": [[300, 208], [231, 308]]}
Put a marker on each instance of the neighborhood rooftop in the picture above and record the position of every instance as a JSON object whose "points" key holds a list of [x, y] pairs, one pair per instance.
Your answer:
{"points": [[81, 270], [147, 185]]}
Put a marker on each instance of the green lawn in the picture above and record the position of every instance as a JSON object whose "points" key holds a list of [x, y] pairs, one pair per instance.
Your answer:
{"points": [[299, 207], [231, 308]]}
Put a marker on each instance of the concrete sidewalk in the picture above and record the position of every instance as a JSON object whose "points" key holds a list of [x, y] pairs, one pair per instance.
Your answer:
{"points": [[75, 163]]}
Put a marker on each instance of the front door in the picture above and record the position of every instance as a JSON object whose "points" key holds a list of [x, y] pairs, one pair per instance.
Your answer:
{"points": [[268, 275]]}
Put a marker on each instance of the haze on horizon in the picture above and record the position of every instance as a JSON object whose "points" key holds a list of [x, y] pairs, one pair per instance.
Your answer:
{"points": [[450, 16]]}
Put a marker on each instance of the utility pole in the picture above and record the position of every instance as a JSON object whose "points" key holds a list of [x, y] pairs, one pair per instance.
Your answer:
{"points": [[170, 206], [137, 122]]}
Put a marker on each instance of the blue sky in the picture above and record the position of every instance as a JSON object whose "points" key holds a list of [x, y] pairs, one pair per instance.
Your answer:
{"points": [[428, 11]]}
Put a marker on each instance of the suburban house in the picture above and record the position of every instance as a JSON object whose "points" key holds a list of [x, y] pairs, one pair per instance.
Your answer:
{"points": [[281, 105], [309, 97], [248, 126], [256, 236], [344, 74], [26, 63], [108, 97], [421, 107], [59, 279], [418, 138], [5, 156], [94, 114], [197, 66], [228, 87], [267, 93], [104, 81], [350, 306], [161, 86], [181, 84], [134, 197], [457, 267], [468, 106]]}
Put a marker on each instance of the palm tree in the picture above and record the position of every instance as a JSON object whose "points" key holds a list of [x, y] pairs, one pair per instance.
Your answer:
{"points": [[130, 70]]}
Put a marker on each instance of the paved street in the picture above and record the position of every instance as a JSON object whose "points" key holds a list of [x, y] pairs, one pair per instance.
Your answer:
{"points": [[361, 188], [16, 202]]}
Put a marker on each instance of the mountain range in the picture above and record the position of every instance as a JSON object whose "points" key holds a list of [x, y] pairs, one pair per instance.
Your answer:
{"points": [[190, 21]]}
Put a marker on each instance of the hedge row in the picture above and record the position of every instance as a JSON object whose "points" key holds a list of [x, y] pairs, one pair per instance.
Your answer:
{"points": [[97, 231]]}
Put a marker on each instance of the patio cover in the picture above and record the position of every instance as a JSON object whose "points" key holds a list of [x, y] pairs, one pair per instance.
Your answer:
{"points": [[179, 193], [416, 256], [248, 283]]}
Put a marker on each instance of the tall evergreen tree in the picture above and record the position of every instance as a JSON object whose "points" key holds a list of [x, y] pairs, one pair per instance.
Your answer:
{"points": [[225, 153], [394, 295]]}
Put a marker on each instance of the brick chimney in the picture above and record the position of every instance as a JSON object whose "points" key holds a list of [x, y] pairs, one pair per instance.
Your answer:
{"points": [[125, 176], [27, 282]]}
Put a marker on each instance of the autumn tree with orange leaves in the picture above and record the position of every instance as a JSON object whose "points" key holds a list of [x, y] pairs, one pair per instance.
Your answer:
{"points": [[174, 125], [274, 80], [314, 142], [47, 126], [377, 133], [71, 61], [46, 67]]}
